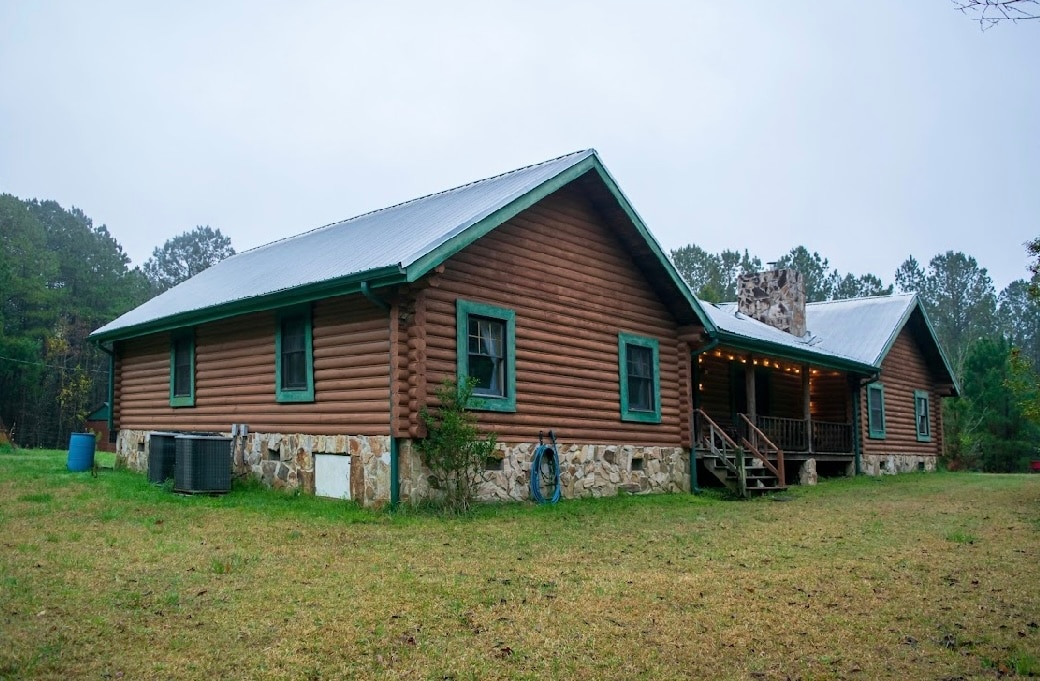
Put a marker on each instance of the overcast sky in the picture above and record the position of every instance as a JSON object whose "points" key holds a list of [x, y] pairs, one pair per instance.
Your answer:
{"points": [[867, 131]]}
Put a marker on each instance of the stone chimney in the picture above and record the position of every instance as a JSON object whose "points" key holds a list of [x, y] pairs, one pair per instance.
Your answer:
{"points": [[776, 297]]}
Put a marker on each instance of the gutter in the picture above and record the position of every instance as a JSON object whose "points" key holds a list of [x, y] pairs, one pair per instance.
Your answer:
{"points": [[269, 301]]}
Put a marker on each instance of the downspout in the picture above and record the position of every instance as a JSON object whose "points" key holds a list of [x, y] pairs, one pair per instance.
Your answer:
{"points": [[395, 491], [111, 385], [857, 425], [366, 291], [695, 401]]}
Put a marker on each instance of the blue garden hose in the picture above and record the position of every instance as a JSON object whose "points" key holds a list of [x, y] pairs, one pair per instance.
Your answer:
{"points": [[540, 453]]}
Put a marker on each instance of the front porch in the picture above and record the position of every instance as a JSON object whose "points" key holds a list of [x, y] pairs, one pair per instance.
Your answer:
{"points": [[772, 412]]}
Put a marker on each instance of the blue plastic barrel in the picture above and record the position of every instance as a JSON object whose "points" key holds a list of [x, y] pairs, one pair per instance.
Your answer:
{"points": [[81, 451]]}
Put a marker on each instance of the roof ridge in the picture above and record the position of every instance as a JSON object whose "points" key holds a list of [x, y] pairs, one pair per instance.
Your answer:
{"points": [[890, 296], [423, 197]]}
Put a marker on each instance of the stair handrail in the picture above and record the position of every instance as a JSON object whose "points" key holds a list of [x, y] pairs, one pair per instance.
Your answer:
{"points": [[728, 449], [755, 447]]}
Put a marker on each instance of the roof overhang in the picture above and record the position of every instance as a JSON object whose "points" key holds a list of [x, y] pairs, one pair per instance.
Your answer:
{"points": [[295, 296], [787, 352]]}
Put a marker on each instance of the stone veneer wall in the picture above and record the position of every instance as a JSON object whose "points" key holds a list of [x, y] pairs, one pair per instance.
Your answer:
{"points": [[586, 470], [287, 462], [890, 464], [776, 297]]}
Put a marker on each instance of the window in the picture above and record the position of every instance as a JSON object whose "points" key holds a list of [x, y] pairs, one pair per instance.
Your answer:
{"points": [[921, 416], [876, 411], [640, 375], [182, 369], [486, 351], [294, 356]]}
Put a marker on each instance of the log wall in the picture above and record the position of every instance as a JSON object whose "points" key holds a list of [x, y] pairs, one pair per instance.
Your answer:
{"points": [[573, 288], [831, 397], [235, 376], [903, 371]]}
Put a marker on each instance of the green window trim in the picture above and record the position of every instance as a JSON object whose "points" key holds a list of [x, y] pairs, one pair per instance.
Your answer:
{"points": [[922, 398], [506, 402], [629, 412], [305, 392], [179, 396], [875, 430]]}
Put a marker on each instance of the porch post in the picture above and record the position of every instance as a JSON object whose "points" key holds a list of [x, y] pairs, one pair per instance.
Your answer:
{"points": [[806, 406], [749, 387]]}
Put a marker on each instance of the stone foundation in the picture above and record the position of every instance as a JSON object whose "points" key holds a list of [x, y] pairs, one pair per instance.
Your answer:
{"points": [[587, 470], [890, 464], [287, 461]]}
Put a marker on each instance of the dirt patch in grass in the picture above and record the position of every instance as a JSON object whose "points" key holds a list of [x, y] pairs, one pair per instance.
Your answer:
{"points": [[920, 576]]}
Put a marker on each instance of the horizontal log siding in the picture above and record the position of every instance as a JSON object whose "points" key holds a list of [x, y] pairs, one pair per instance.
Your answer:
{"points": [[831, 397], [573, 288], [785, 395], [715, 397], [234, 376], [903, 371]]}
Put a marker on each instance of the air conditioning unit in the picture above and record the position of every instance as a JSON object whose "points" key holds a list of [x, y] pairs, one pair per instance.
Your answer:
{"points": [[203, 464], [162, 456]]}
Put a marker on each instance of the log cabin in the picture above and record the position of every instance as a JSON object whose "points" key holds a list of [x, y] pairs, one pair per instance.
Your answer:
{"points": [[316, 354]]}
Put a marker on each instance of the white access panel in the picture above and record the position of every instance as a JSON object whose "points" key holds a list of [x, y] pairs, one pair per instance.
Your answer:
{"points": [[332, 476]]}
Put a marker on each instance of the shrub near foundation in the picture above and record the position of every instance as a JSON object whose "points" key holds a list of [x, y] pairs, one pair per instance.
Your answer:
{"points": [[453, 449]]}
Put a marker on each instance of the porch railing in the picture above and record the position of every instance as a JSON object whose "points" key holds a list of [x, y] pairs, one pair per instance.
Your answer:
{"points": [[792, 435], [832, 438], [788, 434]]}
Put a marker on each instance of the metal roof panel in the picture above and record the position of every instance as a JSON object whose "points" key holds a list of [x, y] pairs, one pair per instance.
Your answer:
{"points": [[390, 237]]}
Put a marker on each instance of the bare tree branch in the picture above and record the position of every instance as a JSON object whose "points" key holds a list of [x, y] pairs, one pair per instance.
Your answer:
{"points": [[989, 13]]}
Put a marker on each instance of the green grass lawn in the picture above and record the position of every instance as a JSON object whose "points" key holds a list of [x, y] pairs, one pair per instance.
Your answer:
{"points": [[922, 576]]}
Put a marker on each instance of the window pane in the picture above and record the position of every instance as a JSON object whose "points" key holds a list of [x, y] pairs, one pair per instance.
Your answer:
{"points": [[182, 368], [639, 366], [486, 350], [922, 416], [294, 354], [876, 410]]}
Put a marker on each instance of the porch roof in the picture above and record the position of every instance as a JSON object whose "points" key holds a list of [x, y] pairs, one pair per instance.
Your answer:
{"points": [[850, 335]]}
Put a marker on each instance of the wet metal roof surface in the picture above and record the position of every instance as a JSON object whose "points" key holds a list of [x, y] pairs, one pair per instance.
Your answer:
{"points": [[390, 238], [858, 330]]}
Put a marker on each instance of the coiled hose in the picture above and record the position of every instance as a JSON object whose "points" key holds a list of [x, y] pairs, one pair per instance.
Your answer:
{"points": [[537, 461]]}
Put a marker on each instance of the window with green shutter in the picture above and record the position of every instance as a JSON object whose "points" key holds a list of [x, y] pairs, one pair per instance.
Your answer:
{"points": [[876, 411], [640, 378], [922, 416], [294, 356]]}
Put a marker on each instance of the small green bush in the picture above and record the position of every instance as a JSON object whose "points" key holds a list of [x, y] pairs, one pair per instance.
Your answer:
{"points": [[453, 449]]}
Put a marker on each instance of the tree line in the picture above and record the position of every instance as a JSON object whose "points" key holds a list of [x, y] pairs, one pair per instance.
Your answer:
{"points": [[991, 339], [61, 277]]}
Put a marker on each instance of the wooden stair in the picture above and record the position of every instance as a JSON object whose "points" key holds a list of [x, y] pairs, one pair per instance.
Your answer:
{"points": [[754, 466]]}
